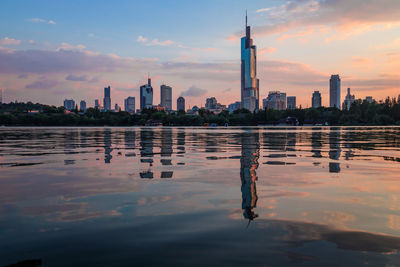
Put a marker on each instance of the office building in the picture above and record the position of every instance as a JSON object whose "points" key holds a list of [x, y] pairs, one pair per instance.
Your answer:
{"points": [[213, 105], [97, 104], [69, 104], [316, 99], [116, 108], [107, 98], [349, 99], [166, 97], [249, 83], [369, 99], [130, 104], [234, 106], [291, 102], [275, 100], [334, 91], [180, 103], [146, 95], [82, 106]]}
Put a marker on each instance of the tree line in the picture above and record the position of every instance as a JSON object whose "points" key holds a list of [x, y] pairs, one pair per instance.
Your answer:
{"points": [[361, 113]]}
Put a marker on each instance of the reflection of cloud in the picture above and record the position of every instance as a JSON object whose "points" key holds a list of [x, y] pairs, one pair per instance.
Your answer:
{"points": [[394, 222], [337, 218]]}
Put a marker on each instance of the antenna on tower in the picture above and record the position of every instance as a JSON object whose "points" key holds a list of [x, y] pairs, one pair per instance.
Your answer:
{"points": [[246, 18]]}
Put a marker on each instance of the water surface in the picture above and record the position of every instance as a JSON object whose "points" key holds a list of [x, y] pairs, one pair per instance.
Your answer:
{"points": [[176, 196]]}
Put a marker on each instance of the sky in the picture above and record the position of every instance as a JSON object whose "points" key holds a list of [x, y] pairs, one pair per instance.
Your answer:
{"points": [[53, 50]]}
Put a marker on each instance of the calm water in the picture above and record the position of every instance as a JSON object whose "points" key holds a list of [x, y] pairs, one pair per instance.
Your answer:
{"points": [[179, 196]]}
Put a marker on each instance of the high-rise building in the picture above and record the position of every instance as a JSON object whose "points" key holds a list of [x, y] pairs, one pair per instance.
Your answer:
{"points": [[180, 103], [130, 104], [116, 108], [316, 99], [350, 99], [369, 99], [96, 104], [146, 95], [275, 100], [166, 97], [82, 106], [334, 91], [107, 98], [249, 83], [291, 102], [69, 104], [234, 106], [211, 103]]}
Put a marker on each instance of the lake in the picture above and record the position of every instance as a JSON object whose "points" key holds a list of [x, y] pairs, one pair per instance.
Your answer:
{"points": [[262, 196]]}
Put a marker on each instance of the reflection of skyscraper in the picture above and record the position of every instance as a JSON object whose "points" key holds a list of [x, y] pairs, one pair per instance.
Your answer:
{"points": [[316, 143], [146, 150], [250, 84], [334, 149], [166, 151], [107, 146], [181, 142], [248, 175]]}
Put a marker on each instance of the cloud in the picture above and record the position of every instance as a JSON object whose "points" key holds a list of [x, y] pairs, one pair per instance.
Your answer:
{"points": [[161, 43], [194, 91], [23, 76], [344, 17], [31, 41], [9, 41], [66, 46], [39, 20], [141, 39], [42, 83], [72, 77], [91, 34], [266, 50]]}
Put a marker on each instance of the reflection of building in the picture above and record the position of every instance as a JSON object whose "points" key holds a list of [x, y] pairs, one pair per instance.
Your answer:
{"points": [[166, 151], [316, 143], [166, 97], [107, 146], [248, 175], [349, 99], [146, 95], [275, 100], [249, 83], [107, 98], [82, 106], [334, 91], [316, 99], [334, 149], [146, 150], [291, 102], [69, 104], [130, 104], [180, 103]]}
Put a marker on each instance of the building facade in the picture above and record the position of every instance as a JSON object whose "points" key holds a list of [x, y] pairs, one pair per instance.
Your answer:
{"points": [[146, 95], [129, 104], [275, 100], [180, 103], [107, 98], [334, 91], [316, 99], [349, 99], [82, 106], [249, 83], [369, 99], [166, 97], [291, 102], [234, 106], [96, 104], [69, 104]]}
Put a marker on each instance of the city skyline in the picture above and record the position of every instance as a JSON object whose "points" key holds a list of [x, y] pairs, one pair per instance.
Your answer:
{"points": [[47, 56]]}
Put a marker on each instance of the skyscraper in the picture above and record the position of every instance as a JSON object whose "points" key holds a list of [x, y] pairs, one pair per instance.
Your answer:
{"points": [[291, 102], [180, 103], [130, 104], [69, 104], [275, 100], [96, 104], [107, 98], [166, 97], [334, 91], [249, 83], [349, 99], [146, 95], [82, 106], [316, 99]]}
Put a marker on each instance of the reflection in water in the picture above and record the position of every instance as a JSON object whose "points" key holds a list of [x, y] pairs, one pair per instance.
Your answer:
{"points": [[334, 149], [107, 146], [248, 175]]}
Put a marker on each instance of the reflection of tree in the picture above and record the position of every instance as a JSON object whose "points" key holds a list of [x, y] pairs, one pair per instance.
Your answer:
{"points": [[334, 149], [248, 175]]}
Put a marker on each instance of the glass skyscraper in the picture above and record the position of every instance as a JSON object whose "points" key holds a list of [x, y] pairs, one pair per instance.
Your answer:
{"points": [[146, 95], [107, 98], [166, 97], [249, 83], [334, 91]]}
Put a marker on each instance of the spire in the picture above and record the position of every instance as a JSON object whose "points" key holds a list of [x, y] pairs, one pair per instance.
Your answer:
{"points": [[246, 18]]}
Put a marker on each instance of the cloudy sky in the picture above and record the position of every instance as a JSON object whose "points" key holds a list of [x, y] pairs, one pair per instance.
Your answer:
{"points": [[52, 50]]}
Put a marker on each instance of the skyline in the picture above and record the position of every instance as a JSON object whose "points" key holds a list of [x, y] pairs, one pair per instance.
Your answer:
{"points": [[47, 55]]}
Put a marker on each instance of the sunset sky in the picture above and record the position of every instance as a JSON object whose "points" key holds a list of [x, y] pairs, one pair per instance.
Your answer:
{"points": [[52, 50]]}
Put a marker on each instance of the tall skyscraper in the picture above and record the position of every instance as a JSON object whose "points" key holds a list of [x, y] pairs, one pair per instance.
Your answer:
{"points": [[180, 103], [69, 104], [107, 98], [316, 99], [130, 104], [291, 102], [275, 100], [334, 91], [349, 99], [82, 106], [166, 97], [96, 104], [249, 83], [146, 95]]}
